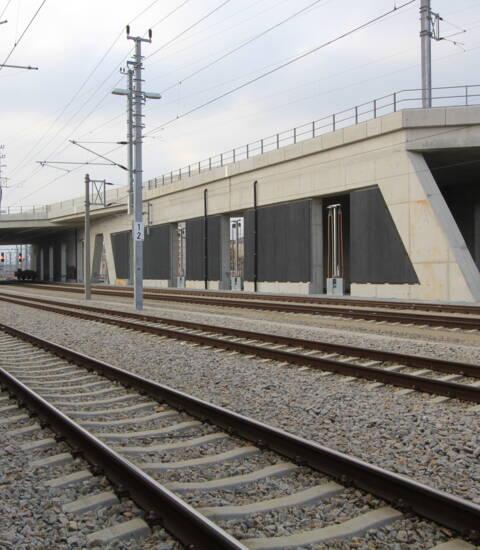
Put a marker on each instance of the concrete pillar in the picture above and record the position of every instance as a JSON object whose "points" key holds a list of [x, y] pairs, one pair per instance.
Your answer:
{"points": [[50, 263], [224, 283], [112, 273], [42, 265], [316, 253], [63, 262]]}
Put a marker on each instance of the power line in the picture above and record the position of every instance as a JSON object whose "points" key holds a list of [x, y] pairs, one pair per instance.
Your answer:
{"points": [[316, 95], [176, 37], [169, 14], [243, 44], [23, 34], [283, 65], [82, 86], [5, 8], [210, 35]]}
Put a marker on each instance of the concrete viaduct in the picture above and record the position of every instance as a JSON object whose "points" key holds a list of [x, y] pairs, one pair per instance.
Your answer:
{"points": [[406, 183]]}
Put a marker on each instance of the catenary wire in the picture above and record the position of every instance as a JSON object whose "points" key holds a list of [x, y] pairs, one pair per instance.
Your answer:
{"points": [[193, 25], [17, 42], [82, 86], [283, 65], [5, 8], [243, 44]]}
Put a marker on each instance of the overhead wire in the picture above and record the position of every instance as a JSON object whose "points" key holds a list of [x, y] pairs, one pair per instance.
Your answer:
{"points": [[193, 25], [210, 35], [244, 44], [164, 18], [5, 8], [17, 42], [283, 65], [82, 86], [325, 92]]}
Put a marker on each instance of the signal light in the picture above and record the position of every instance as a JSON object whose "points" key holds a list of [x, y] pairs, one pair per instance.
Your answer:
{"points": [[20, 258], [2, 257]]}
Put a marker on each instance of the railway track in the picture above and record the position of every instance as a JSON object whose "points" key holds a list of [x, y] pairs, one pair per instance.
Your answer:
{"points": [[293, 305], [328, 300], [184, 460], [446, 379]]}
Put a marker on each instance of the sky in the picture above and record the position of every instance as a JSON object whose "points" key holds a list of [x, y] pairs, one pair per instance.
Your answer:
{"points": [[80, 47]]}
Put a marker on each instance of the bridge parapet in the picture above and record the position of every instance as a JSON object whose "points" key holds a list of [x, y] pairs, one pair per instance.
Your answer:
{"points": [[447, 96]]}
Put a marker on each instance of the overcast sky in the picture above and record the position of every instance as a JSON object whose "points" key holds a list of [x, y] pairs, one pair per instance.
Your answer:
{"points": [[80, 46]]}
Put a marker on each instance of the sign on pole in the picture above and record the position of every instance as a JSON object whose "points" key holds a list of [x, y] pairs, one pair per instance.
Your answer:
{"points": [[138, 231]]}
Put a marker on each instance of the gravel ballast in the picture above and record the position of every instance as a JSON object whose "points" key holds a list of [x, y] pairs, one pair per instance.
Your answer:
{"points": [[435, 443]]}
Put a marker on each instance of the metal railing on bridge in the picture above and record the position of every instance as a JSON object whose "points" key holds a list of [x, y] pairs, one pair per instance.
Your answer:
{"points": [[446, 96], [16, 210]]}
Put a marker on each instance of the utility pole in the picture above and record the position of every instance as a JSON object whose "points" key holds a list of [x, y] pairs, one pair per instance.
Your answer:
{"points": [[86, 242], [138, 97], [426, 42], [99, 196], [130, 141]]}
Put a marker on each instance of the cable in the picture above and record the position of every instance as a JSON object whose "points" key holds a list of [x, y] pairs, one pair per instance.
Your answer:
{"points": [[283, 65], [210, 35], [5, 8], [22, 35], [169, 14], [82, 86], [240, 46], [189, 28]]}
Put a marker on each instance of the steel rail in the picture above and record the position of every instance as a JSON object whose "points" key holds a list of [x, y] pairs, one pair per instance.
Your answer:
{"points": [[180, 519], [451, 511], [438, 365], [410, 381], [352, 302], [309, 309]]}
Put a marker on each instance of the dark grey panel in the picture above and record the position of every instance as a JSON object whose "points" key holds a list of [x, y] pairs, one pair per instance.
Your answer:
{"points": [[121, 244], [283, 236], [196, 249], [377, 254], [156, 253], [214, 248]]}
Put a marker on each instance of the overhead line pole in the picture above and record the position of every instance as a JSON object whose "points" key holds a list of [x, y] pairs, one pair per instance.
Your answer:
{"points": [[426, 43], [86, 241], [138, 96]]}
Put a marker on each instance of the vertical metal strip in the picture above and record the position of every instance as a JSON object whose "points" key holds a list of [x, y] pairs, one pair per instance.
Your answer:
{"points": [[255, 237], [205, 237]]}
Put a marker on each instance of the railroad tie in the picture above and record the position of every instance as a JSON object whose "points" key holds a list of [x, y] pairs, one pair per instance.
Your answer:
{"points": [[353, 527], [133, 529]]}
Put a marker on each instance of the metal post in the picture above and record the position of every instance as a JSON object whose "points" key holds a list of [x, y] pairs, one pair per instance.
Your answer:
{"points": [[255, 238], [205, 238], [137, 229], [86, 241], [130, 141], [426, 42]]}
